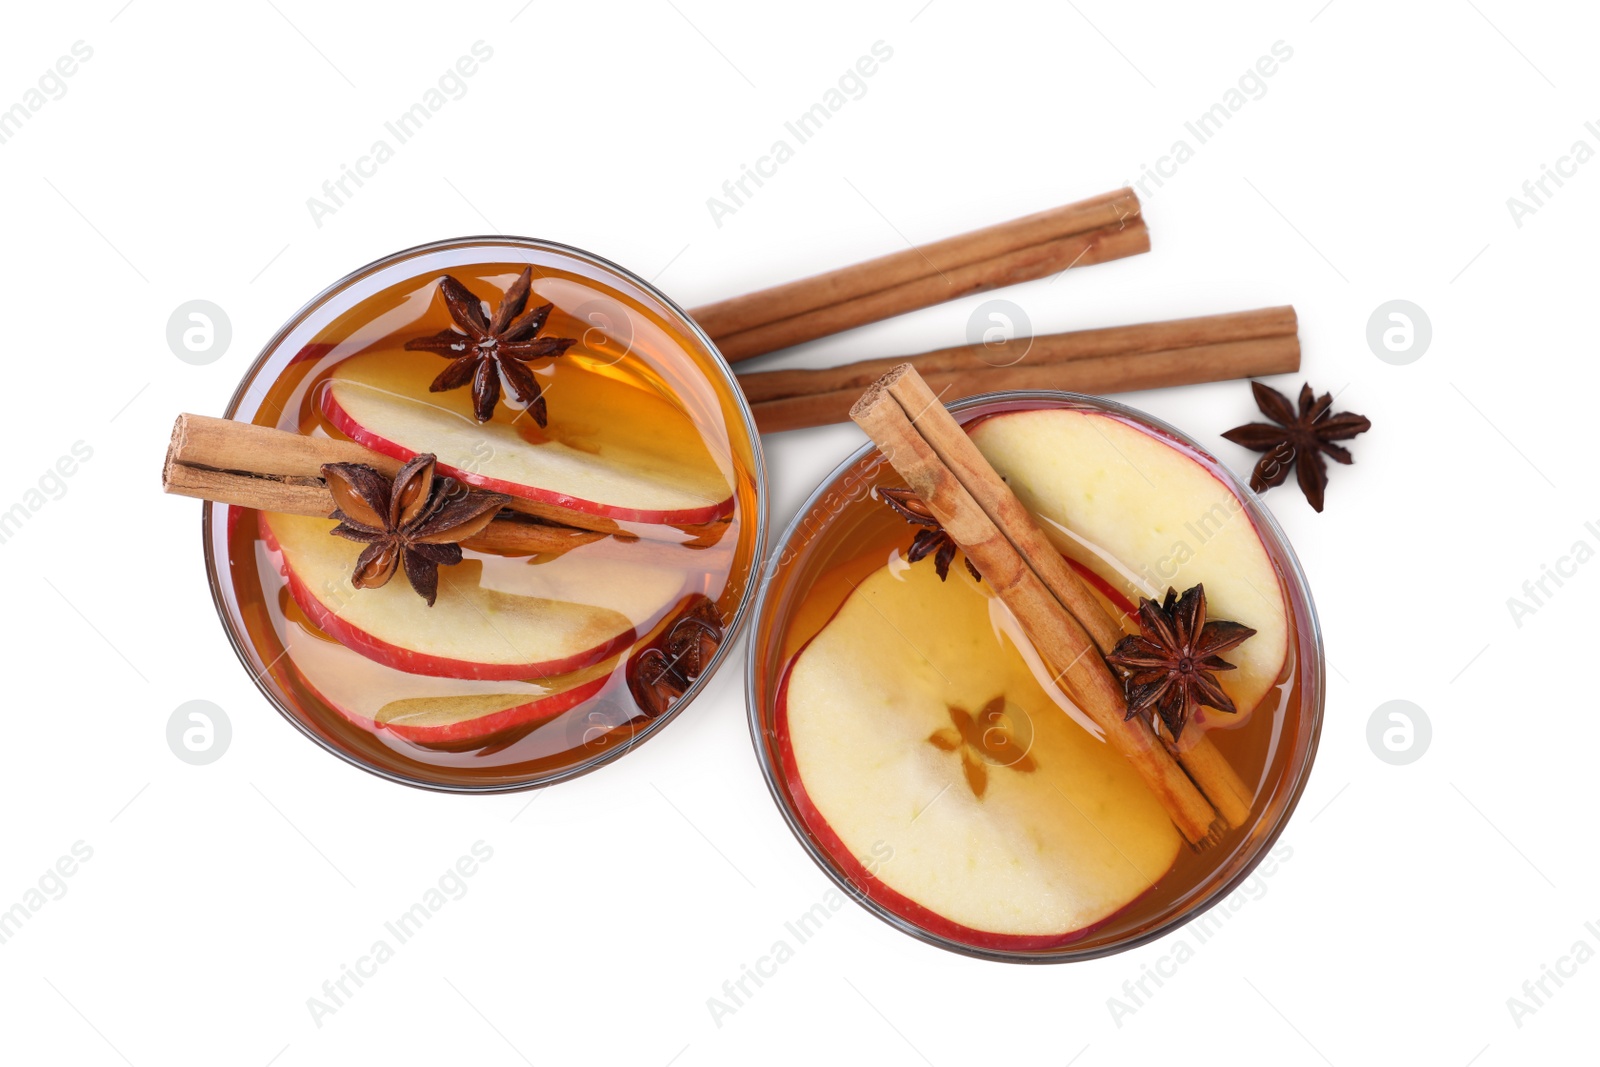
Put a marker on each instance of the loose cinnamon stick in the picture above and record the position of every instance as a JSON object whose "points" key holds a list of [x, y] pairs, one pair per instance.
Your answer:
{"points": [[266, 469], [1024, 264], [1207, 767], [1073, 346], [1101, 375], [728, 317], [1060, 639]]}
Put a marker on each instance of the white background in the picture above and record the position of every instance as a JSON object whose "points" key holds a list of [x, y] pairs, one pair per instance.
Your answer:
{"points": [[1376, 166]]}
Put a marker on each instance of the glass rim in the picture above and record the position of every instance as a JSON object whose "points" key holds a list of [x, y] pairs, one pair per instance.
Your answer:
{"points": [[1064, 954], [743, 612]]}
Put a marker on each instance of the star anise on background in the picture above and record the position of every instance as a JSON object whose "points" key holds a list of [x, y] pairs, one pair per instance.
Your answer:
{"points": [[483, 350], [981, 739], [663, 671], [412, 522], [1299, 439], [1170, 665], [931, 538]]}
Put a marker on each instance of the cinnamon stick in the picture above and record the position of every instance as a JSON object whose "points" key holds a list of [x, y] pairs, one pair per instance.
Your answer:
{"points": [[226, 445], [1206, 766], [1113, 359], [277, 470], [1026, 264], [784, 301], [1073, 346], [1100, 375], [1058, 636]]}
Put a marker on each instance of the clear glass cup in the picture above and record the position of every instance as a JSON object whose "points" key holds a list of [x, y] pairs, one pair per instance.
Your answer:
{"points": [[621, 316], [787, 616]]}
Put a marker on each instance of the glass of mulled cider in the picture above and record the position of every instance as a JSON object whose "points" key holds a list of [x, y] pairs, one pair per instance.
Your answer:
{"points": [[923, 753], [550, 503]]}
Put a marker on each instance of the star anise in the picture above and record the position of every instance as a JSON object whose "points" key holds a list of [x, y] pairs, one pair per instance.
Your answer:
{"points": [[1170, 665], [662, 672], [413, 522], [1298, 440], [931, 538], [483, 350]]}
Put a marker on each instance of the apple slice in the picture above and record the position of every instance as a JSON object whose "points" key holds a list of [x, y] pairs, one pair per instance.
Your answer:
{"points": [[436, 712], [494, 619], [1020, 829], [612, 450], [1144, 514]]}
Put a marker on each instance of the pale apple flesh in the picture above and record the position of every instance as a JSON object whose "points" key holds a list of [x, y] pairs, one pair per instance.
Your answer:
{"points": [[494, 619], [1023, 839], [611, 450], [1143, 515], [428, 711]]}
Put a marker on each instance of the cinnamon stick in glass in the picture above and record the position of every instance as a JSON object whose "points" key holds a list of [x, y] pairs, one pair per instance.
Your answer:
{"points": [[1205, 765], [277, 470], [1058, 636]]}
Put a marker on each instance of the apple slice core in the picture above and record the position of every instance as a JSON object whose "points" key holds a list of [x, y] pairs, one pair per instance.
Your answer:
{"points": [[1145, 515], [1017, 828], [471, 631], [611, 449]]}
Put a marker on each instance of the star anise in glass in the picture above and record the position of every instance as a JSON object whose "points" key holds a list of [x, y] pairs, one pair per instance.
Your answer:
{"points": [[931, 538], [1299, 440], [483, 350], [663, 672], [413, 522], [1170, 665]]}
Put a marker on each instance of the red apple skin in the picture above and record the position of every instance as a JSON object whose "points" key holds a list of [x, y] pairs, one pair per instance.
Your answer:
{"points": [[1105, 588], [1210, 464], [484, 726], [869, 885], [361, 435], [413, 662], [313, 350]]}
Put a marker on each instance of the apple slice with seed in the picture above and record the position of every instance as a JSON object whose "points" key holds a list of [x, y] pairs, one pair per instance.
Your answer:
{"points": [[436, 712], [906, 728], [1154, 516], [611, 450], [494, 618]]}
